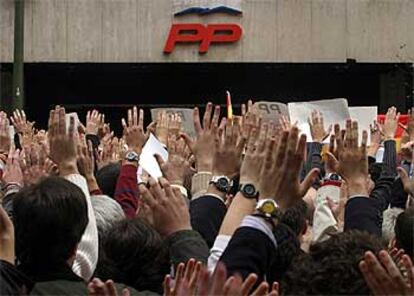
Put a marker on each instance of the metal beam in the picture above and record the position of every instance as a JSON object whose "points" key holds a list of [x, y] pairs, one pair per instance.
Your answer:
{"points": [[18, 58]]}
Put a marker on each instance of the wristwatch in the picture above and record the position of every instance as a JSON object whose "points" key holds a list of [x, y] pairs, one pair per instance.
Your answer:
{"points": [[249, 191], [222, 183], [332, 177], [132, 156], [269, 210]]}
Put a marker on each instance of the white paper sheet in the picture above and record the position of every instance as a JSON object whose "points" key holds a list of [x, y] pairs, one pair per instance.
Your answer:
{"points": [[365, 116], [147, 160], [75, 116], [333, 111]]}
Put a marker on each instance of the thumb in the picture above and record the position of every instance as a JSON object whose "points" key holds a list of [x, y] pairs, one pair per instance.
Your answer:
{"points": [[307, 182], [403, 175], [187, 140], [159, 160]]}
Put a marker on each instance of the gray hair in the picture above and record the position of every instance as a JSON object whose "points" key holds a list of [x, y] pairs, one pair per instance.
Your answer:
{"points": [[107, 212], [389, 219]]}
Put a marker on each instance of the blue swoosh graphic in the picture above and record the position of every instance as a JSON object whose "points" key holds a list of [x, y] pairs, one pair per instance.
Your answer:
{"points": [[207, 11]]}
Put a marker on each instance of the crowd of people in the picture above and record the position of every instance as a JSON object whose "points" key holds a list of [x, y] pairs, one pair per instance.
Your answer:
{"points": [[246, 207]]}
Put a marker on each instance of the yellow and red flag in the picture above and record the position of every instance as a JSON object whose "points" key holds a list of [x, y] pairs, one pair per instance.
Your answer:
{"points": [[229, 106]]}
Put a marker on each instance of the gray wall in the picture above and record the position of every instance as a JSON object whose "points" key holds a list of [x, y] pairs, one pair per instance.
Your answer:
{"points": [[274, 31]]}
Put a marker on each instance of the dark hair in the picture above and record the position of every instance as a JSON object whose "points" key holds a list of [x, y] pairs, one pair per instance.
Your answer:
{"points": [[295, 217], [404, 231], [134, 254], [331, 267], [107, 177], [50, 218]]}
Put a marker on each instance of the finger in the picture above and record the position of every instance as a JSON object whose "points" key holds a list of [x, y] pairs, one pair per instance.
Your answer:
{"points": [[404, 176], [216, 118], [62, 121], [308, 181], [188, 141], [141, 119], [261, 290], [370, 279], [147, 196], [189, 268], [196, 121], [135, 116], [392, 269], [218, 279], [248, 284], [207, 116], [71, 127], [281, 150], [156, 190]]}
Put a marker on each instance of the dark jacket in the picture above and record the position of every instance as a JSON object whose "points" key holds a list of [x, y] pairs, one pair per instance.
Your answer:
{"points": [[186, 244], [207, 213], [252, 251], [363, 213]]}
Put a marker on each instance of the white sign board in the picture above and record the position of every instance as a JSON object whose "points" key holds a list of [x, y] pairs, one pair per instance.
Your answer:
{"points": [[270, 111], [333, 111], [365, 116], [186, 118]]}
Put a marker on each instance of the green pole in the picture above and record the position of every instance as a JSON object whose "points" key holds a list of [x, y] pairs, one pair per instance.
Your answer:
{"points": [[18, 59]]}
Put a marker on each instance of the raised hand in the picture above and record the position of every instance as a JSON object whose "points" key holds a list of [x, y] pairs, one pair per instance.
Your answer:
{"points": [[23, 127], [13, 173], [255, 156], [170, 211], [203, 146], [383, 276], [408, 183], [94, 122], [5, 141], [353, 161], [62, 143], [161, 129], [36, 164], [390, 123], [6, 237], [174, 124], [376, 138], [279, 177], [186, 275], [199, 282], [134, 130], [177, 166], [229, 149], [317, 128], [98, 288]]}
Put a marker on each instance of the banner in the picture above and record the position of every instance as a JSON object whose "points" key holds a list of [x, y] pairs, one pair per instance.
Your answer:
{"points": [[270, 111]]}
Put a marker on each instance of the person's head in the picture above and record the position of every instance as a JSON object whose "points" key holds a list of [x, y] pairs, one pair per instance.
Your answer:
{"points": [[404, 232], [134, 254], [296, 218], [107, 177], [50, 218], [107, 212], [331, 267]]}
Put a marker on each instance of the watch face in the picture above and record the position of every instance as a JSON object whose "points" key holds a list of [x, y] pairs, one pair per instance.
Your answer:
{"points": [[222, 184], [334, 177], [131, 156], [249, 190], [268, 207]]}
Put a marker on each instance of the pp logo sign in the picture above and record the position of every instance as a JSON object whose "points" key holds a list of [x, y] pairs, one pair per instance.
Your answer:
{"points": [[203, 34]]}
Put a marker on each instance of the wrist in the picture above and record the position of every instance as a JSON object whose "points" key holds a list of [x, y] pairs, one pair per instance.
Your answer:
{"points": [[212, 189], [357, 187], [204, 166], [127, 162], [389, 137], [67, 168], [169, 232]]}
